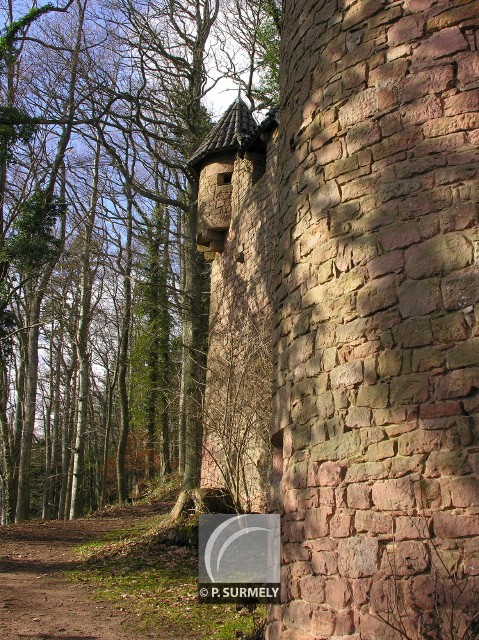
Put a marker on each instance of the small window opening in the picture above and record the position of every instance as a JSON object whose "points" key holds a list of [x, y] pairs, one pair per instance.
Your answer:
{"points": [[224, 178]]}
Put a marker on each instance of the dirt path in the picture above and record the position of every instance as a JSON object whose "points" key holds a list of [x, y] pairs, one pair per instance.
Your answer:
{"points": [[36, 602]]}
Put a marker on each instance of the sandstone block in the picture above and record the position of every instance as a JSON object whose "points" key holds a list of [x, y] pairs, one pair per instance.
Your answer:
{"points": [[460, 290], [457, 384], [293, 531], [417, 298], [394, 495], [360, 11], [330, 474], [387, 263], [376, 295], [358, 417], [338, 593], [413, 333], [437, 256], [428, 358], [364, 471], [410, 389], [427, 82], [464, 354], [274, 631], [292, 552], [398, 236], [449, 124], [448, 463], [359, 496], [375, 396], [405, 30], [281, 406], [345, 625], [358, 556], [312, 589], [463, 492], [347, 374], [442, 144], [342, 167], [463, 102], [316, 523], [405, 558], [301, 434], [324, 562], [453, 16], [297, 614], [452, 525], [360, 107], [419, 441], [396, 143], [440, 409], [371, 522], [389, 363], [411, 528], [390, 124], [352, 331], [358, 188], [339, 447], [301, 350], [372, 627], [340, 525], [354, 76], [444, 43], [328, 153], [401, 466], [362, 135], [389, 74], [468, 69], [449, 329], [324, 407], [325, 197], [381, 450], [422, 111], [461, 216], [322, 622]]}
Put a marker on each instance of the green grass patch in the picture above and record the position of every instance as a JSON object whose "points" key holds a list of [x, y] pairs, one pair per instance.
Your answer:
{"points": [[156, 583]]}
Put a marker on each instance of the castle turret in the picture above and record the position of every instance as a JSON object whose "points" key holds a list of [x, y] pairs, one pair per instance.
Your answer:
{"points": [[213, 161]]}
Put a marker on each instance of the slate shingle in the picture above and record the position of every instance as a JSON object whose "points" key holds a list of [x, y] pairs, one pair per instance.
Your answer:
{"points": [[236, 125]]}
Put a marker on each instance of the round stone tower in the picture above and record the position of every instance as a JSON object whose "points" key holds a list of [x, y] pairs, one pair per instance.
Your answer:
{"points": [[377, 308], [214, 162]]}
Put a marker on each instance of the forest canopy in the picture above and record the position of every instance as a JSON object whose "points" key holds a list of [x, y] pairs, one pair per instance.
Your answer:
{"points": [[103, 296]]}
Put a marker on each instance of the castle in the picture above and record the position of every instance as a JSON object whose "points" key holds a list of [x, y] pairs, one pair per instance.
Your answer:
{"points": [[350, 232]]}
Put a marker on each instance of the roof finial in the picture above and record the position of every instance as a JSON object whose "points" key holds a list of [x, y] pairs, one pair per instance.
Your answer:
{"points": [[239, 92]]}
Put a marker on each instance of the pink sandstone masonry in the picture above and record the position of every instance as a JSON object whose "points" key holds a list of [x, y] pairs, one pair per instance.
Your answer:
{"points": [[376, 325], [238, 395], [214, 196]]}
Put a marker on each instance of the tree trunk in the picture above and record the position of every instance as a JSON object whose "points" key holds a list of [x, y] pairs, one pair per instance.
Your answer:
{"points": [[123, 360], [77, 506], [195, 343], [66, 436], [31, 383], [7, 476]]}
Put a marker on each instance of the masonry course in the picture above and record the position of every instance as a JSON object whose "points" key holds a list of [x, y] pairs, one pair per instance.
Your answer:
{"points": [[378, 233]]}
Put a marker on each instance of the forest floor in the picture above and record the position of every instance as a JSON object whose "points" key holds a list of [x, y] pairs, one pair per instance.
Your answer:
{"points": [[106, 577]]}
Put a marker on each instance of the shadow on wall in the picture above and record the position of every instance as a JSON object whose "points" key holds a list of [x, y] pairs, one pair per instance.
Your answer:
{"points": [[238, 399], [377, 340]]}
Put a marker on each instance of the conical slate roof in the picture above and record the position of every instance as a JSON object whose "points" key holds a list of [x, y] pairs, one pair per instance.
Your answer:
{"points": [[235, 126]]}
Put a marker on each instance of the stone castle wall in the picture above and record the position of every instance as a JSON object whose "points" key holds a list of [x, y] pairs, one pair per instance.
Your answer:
{"points": [[377, 318], [214, 197], [238, 396]]}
